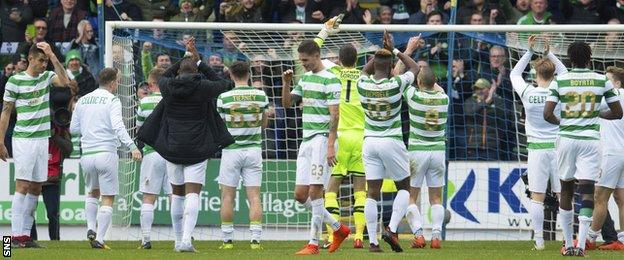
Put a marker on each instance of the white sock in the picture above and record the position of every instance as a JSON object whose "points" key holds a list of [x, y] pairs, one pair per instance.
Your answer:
{"points": [[399, 206], [147, 218], [256, 232], [437, 217], [30, 206], [584, 223], [592, 235], [370, 214], [191, 210], [104, 216], [567, 217], [621, 236], [329, 219], [316, 223], [177, 215], [414, 219], [536, 210], [227, 231], [17, 214], [91, 210]]}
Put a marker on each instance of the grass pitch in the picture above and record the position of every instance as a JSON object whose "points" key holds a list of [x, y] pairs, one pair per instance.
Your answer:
{"points": [[482, 250]]}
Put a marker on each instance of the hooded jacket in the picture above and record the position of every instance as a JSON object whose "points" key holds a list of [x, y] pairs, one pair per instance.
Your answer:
{"points": [[185, 127]]}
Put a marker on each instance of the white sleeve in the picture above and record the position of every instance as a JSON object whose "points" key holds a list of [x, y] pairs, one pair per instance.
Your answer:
{"points": [[559, 67], [518, 83], [118, 125], [220, 108], [74, 125], [610, 94], [406, 79], [554, 92]]}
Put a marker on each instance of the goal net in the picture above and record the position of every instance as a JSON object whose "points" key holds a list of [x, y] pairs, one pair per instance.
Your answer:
{"points": [[486, 148]]}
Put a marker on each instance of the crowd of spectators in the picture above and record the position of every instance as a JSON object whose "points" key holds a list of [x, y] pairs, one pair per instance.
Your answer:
{"points": [[483, 125]]}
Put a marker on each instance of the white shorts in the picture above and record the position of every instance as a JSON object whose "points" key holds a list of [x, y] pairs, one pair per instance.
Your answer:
{"points": [[237, 163], [180, 173], [612, 175], [385, 158], [154, 175], [542, 168], [312, 165], [101, 172], [430, 164], [578, 159], [30, 156]]}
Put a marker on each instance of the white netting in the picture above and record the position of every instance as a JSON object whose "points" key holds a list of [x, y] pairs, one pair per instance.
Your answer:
{"points": [[486, 197], [128, 170]]}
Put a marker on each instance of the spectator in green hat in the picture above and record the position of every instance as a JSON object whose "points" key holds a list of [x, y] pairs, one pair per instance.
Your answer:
{"points": [[78, 72]]}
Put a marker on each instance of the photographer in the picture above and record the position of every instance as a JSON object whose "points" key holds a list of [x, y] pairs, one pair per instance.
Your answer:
{"points": [[60, 147]]}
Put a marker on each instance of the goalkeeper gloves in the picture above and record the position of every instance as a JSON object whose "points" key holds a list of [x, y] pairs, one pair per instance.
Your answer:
{"points": [[331, 27]]}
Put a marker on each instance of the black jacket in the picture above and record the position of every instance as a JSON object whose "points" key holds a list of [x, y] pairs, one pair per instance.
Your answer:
{"points": [[86, 82], [185, 127]]}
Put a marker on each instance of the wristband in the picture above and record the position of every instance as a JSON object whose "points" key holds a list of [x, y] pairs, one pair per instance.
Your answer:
{"points": [[396, 51]]}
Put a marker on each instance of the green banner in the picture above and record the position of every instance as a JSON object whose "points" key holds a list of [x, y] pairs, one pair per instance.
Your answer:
{"points": [[278, 204]]}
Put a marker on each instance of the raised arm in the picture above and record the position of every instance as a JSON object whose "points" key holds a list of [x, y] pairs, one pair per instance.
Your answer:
{"points": [[60, 79], [517, 81], [369, 67], [287, 97], [331, 27], [412, 45], [147, 64], [405, 59], [560, 68]]}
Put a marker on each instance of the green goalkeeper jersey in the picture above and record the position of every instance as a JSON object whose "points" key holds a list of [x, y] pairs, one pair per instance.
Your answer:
{"points": [[351, 111]]}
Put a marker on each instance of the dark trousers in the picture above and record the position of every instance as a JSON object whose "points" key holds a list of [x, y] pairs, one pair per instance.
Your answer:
{"points": [[52, 200]]}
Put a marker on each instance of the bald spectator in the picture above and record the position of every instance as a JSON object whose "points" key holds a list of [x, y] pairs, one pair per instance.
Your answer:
{"points": [[514, 13], [14, 16], [537, 15], [63, 21]]}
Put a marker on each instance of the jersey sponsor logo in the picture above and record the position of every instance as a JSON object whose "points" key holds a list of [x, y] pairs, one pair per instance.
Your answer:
{"points": [[537, 99]]}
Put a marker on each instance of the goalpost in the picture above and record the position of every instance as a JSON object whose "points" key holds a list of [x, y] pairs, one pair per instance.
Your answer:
{"points": [[484, 194]]}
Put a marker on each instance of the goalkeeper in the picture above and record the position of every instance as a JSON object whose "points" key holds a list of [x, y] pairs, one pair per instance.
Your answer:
{"points": [[350, 134]]}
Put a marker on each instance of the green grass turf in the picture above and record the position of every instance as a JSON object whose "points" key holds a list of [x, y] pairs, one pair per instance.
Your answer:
{"points": [[482, 250]]}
